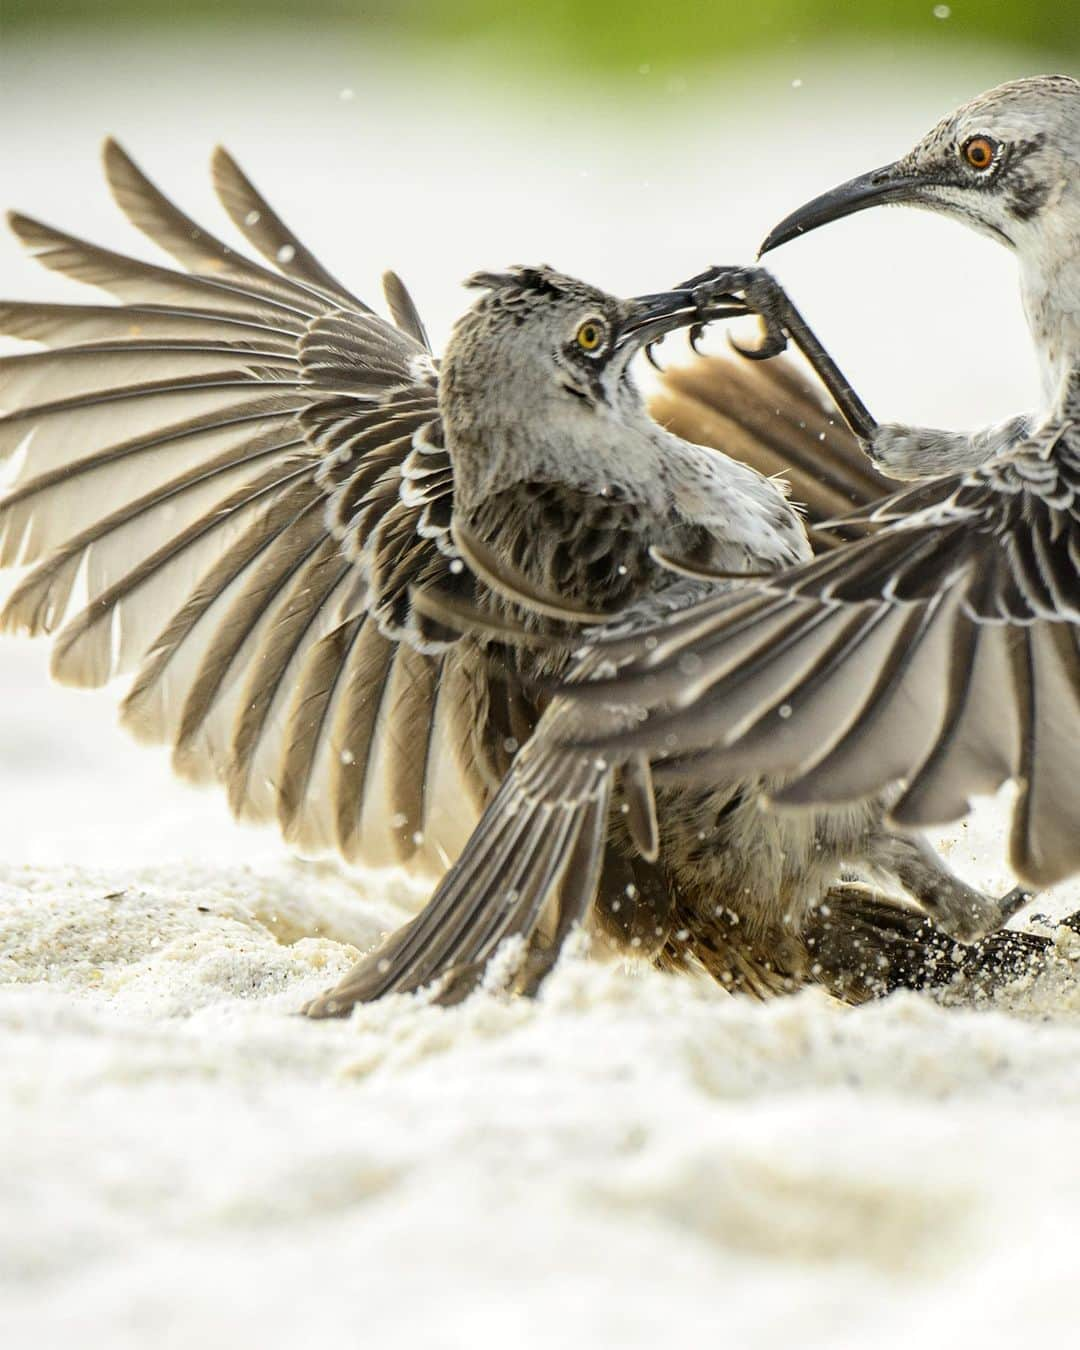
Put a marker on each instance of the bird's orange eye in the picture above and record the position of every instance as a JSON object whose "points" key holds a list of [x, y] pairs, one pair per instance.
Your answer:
{"points": [[590, 335], [979, 152]]}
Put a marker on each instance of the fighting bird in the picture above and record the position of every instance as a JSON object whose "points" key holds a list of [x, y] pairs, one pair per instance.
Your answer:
{"points": [[938, 656], [293, 529]]}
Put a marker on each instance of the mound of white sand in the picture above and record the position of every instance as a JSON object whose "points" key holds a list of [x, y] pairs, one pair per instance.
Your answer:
{"points": [[632, 1160]]}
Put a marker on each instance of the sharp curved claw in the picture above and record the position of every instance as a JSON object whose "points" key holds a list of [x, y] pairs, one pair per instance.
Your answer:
{"points": [[651, 358], [695, 336], [772, 346]]}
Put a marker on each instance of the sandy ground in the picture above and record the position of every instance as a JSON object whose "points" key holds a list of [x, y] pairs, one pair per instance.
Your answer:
{"points": [[632, 1160]]}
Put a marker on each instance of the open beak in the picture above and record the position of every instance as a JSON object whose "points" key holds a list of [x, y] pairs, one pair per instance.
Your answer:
{"points": [[652, 316], [888, 185]]}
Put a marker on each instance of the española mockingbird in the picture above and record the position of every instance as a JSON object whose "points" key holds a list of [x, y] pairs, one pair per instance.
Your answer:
{"points": [[238, 486], [939, 656], [934, 657]]}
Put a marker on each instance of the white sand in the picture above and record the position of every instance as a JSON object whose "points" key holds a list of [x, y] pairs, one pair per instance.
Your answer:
{"points": [[632, 1160]]}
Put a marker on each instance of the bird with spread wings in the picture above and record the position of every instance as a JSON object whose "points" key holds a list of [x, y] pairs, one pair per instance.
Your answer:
{"points": [[233, 486], [232, 481]]}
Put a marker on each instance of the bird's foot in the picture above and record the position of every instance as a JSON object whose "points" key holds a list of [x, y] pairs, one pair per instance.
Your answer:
{"points": [[959, 911], [1014, 901], [718, 291], [967, 915], [864, 945], [725, 292]]}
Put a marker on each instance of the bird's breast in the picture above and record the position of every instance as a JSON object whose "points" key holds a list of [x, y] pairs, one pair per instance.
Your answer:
{"points": [[589, 549]]}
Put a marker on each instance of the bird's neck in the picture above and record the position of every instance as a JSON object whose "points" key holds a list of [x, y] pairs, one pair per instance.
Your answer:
{"points": [[1050, 285]]}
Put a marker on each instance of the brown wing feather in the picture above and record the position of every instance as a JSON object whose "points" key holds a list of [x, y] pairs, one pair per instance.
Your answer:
{"points": [[940, 652], [213, 488]]}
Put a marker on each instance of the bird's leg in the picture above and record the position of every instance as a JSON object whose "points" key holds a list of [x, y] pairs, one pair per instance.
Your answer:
{"points": [[905, 452], [764, 296], [959, 910], [864, 945]]}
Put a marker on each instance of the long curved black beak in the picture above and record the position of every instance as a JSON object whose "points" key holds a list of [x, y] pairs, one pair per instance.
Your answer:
{"points": [[889, 184], [651, 317]]}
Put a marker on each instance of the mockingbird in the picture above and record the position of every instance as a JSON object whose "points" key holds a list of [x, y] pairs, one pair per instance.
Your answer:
{"points": [[240, 484], [939, 656]]}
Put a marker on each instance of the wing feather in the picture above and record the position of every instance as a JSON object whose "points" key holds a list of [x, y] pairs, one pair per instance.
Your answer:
{"points": [[1044, 832], [768, 416], [264, 229], [309, 608], [973, 677], [154, 706], [539, 844], [65, 324], [130, 279], [194, 247], [209, 494]]}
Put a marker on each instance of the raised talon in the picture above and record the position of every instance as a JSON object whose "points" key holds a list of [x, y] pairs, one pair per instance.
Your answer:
{"points": [[730, 291], [774, 342], [651, 358]]}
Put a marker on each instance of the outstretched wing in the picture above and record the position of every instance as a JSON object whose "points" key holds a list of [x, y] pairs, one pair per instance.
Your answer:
{"points": [[942, 651], [230, 483]]}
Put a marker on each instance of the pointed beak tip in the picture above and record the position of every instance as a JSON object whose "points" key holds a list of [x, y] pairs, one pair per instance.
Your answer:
{"points": [[869, 189], [775, 238]]}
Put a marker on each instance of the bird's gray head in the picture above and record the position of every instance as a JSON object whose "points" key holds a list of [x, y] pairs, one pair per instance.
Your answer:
{"points": [[536, 378], [536, 332], [1005, 163]]}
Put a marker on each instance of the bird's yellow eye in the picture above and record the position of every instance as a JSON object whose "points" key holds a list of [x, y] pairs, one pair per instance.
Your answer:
{"points": [[979, 152], [590, 335]]}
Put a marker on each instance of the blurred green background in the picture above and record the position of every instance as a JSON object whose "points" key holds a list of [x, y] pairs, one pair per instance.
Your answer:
{"points": [[616, 36]]}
